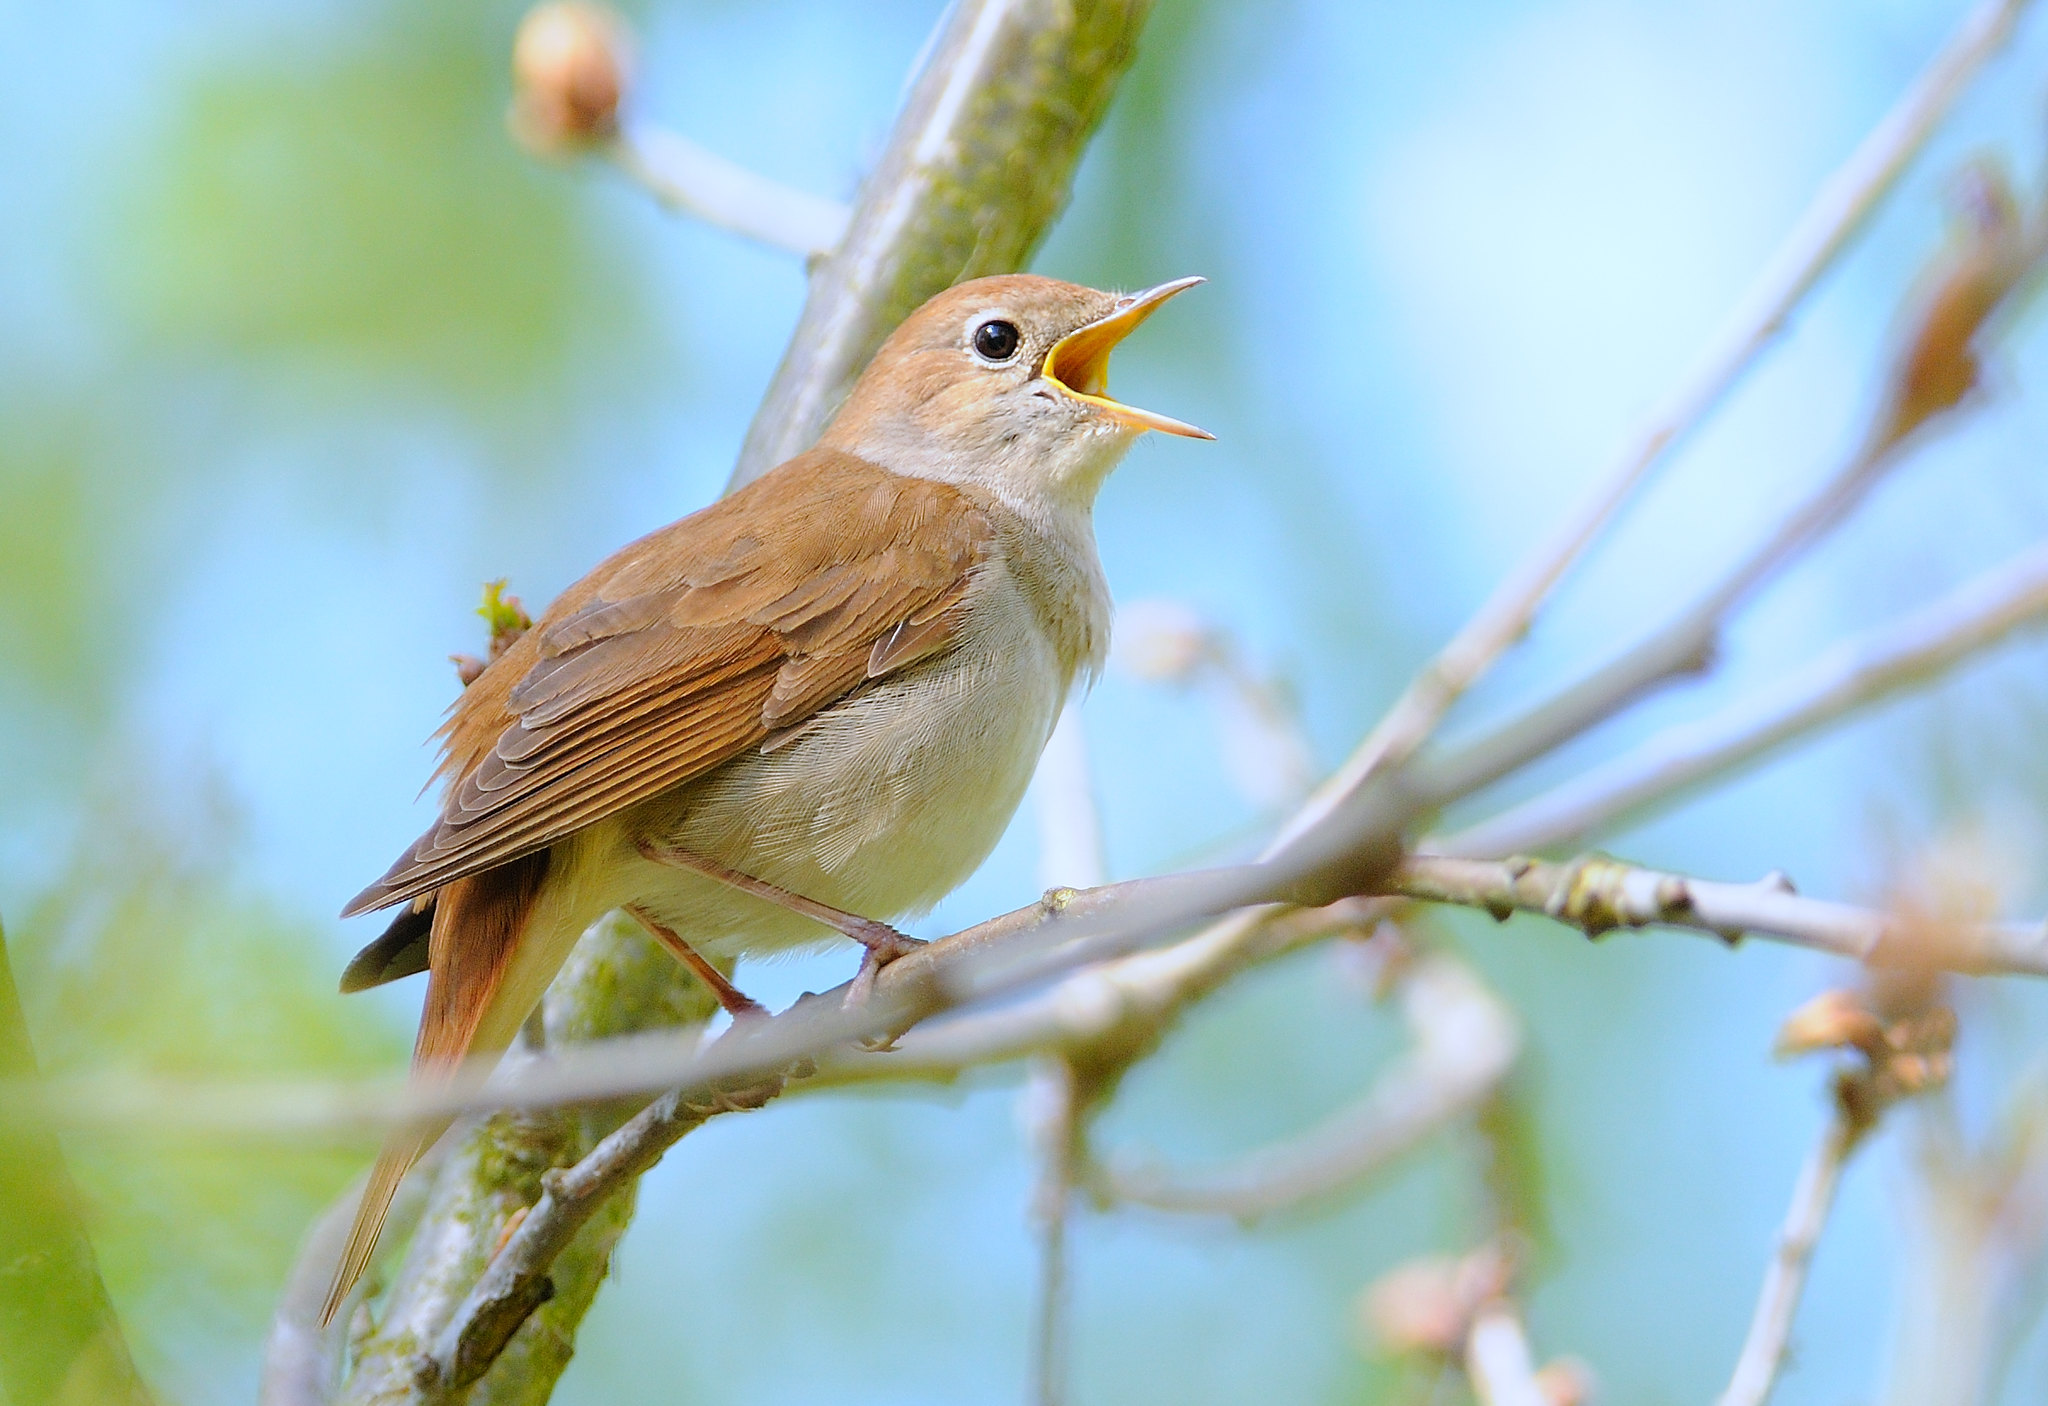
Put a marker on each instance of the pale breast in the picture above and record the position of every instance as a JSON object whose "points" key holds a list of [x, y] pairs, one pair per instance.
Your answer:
{"points": [[884, 802]]}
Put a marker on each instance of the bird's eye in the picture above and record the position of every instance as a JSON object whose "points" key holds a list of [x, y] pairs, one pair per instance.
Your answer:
{"points": [[997, 340]]}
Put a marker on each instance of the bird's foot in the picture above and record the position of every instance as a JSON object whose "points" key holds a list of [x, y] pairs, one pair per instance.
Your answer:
{"points": [[884, 945]]}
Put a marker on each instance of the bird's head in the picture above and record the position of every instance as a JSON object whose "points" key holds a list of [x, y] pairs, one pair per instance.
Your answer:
{"points": [[1004, 382]]}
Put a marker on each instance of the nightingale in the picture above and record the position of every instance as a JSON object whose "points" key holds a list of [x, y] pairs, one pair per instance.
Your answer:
{"points": [[811, 706]]}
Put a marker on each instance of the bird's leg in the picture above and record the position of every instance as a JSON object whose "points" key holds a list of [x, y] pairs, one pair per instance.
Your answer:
{"points": [[737, 1002], [883, 943]]}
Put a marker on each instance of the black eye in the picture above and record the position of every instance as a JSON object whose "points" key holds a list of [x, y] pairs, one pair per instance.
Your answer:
{"points": [[996, 341]]}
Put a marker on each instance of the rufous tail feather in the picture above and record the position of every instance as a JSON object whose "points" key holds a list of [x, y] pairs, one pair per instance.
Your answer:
{"points": [[478, 922]]}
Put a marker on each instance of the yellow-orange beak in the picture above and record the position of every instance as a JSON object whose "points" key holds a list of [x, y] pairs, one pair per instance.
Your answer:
{"points": [[1079, 362]]}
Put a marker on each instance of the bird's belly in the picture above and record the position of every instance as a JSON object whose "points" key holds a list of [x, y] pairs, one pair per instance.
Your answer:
{"points": [[885, 803]]}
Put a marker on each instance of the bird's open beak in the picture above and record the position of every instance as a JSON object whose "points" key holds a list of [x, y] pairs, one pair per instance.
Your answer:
{"points": [[1079, 362]]}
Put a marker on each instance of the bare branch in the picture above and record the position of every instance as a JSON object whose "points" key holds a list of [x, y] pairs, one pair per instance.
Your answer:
{"points": [[693, 181], [59, 1339], [1012, 953], [1838, 212], [618, 980], [1854, 675], [572, 72], [1770, 1328], [1054, 1103], [1598, 895], [1463, 1042], [949, 198]]}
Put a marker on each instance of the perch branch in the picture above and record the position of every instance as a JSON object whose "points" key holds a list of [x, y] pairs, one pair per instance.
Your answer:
{"points": [[1009, 955], [1838, 211], [1854, 675]]}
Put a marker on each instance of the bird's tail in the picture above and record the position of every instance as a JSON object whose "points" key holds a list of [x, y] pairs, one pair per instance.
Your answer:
{"points": [[474, 983]]}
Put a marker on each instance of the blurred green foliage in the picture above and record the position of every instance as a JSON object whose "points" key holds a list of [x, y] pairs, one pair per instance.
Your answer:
{"points": [[147, 956], [362, 207]]}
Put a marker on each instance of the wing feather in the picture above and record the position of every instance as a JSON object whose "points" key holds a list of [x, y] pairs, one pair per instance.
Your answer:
{"points": [[692, 645]]}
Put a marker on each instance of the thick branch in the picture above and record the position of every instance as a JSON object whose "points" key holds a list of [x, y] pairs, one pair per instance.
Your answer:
{"points": [[616, 980], [59, 1339], [516, 1281], [975, 171]]}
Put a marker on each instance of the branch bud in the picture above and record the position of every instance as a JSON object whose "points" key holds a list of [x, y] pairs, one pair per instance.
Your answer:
{"points": [[1427, 1305], [571, 64], [1833, 1020]]}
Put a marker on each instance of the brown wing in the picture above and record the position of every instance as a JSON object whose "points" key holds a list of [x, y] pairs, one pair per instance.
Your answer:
{"points": [[691, 645]]}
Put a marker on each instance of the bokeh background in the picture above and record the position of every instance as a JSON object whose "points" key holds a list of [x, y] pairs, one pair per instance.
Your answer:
{"points": [[297, 348]]}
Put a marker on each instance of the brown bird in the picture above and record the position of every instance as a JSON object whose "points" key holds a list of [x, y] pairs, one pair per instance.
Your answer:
{"points": [[820, 697]]}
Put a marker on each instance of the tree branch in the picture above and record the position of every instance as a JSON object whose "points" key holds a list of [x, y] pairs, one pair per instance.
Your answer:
{"points": [[1770, 1329], [615, 980], [1934, 372], [1852, 676], [1598, 895], [693, 181], [1055, 1106], [1463, 1041], [1838, 212]]}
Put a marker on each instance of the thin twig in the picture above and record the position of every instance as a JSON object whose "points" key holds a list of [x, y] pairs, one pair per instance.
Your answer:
{"points": [[1463, 1042], [975, 170], [1770, 1328], [1053, 1102], [59, 1339], [1598, 895], [1854, 675], [1838, 212], [1934, 372], [693, 181]]}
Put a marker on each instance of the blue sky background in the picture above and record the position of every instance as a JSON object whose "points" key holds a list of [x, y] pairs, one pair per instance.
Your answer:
{"points": [[296, 349]]}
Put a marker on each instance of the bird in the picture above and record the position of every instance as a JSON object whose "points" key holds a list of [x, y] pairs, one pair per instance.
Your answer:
{"points": [[804, 709]]}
